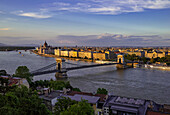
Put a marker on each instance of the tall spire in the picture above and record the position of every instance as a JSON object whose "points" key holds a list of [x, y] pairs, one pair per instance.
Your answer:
{"points": [[45, 44]]}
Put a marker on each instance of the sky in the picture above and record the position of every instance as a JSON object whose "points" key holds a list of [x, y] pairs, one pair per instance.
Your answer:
{"points": [[85, 22]]}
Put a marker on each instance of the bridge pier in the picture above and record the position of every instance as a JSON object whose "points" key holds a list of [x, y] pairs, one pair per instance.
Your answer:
{"points": [[61, 65], [60, 74], [120, 60], [120, 66]]}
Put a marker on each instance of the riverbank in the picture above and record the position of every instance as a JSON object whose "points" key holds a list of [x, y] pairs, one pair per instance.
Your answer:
{"points": [[157, 67], [15, 48], [67, 58]]}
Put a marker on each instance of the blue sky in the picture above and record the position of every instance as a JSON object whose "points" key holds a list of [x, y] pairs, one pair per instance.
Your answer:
{"points": [[85, 22]]}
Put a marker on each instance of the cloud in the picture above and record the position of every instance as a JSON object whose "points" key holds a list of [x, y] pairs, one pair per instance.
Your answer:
{"points": [[107, 39], [1, 12], [38, 15], [4, 29], [14, 38], [111, 7]]}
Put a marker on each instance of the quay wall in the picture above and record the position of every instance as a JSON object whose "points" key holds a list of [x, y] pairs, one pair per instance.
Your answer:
{"points": [[55, 56]]}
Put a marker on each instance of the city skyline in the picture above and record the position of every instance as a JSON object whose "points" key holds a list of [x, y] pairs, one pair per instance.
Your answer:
{"points": [[88, 22]]}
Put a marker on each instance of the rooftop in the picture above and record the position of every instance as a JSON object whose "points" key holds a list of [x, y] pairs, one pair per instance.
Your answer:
{"points": [[102, 96], [51, 95], [90, 99], [127, 104]]}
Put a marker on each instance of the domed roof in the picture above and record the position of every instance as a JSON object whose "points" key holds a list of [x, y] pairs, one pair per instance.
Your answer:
{"points": [[45, 44]]}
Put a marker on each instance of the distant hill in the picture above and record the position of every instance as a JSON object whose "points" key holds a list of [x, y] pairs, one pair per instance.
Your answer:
{"points": [[1, 44], [28, 45]]}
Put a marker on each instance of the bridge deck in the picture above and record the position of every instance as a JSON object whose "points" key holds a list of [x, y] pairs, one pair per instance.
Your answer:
{"points": [[72, 68], [88, 66]]}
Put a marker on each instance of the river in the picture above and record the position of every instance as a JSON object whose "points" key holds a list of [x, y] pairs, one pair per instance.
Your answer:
{"points": [[141, 83]]}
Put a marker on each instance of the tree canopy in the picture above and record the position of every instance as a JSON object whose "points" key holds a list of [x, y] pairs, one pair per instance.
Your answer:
{"points": [[23, 72], [63, 104], [76, 89], [22, 101], [165, 59], [4, 85], [102, 91], [3, 72], [81, 108], [56, 85]]}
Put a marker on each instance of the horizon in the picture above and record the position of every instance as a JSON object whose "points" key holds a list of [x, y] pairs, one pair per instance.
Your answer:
{"points": [[85, 23]]}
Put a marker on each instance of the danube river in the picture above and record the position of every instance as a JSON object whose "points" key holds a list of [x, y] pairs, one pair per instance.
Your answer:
{"points": [[141, 83]]}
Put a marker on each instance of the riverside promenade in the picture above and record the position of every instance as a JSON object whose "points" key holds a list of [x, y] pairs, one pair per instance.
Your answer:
{"points": [[67, 58]]}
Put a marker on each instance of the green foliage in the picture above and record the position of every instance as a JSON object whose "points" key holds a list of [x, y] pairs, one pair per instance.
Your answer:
{"points": [[131, 57], [152, 60], [22, 101], [3, 72], [56, 85], [40, 83], [168, 63], [144, 59], [165, 59], [81, 108], [23, 72], [76, 89], [4, 85], [102, 91], [63, 104], [59, 85]]}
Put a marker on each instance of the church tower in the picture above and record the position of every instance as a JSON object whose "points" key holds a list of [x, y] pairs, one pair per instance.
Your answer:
{"points": [[45, 44]]}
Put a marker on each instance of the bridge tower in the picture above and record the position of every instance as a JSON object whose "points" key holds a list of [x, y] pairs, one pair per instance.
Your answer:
{"points": [[61, 65], [120, 60]]}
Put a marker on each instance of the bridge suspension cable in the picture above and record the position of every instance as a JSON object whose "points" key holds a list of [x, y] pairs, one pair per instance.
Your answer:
{"points": [[44, 68]]}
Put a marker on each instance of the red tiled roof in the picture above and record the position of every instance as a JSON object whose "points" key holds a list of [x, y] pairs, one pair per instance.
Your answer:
{"points": [[155, 113], [12, 80]]}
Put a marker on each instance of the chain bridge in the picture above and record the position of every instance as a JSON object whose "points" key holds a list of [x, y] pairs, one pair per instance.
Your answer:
{"points": [[60, 66]]}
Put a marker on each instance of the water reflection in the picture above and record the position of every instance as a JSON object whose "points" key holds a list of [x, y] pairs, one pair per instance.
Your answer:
{"points": [[120, 73]]}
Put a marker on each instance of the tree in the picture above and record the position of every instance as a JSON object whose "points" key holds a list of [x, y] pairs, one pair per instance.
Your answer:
{"points": [[152, 60], [23, 72], [59, 85], [81, 108], [63, 104], [22, 101], [102, 91], [76, 89], [144, 59], [4, 85], [3, 72]]}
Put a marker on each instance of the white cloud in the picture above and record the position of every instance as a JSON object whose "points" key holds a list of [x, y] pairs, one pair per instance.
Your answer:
{"points": [[34, 15], [39, 15], [1, 12], [109, 6], [4, 29]]}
